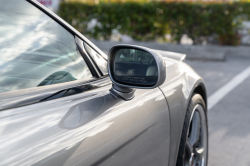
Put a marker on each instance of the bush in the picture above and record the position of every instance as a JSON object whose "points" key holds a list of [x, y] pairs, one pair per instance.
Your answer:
{"points": [[150, 21]]}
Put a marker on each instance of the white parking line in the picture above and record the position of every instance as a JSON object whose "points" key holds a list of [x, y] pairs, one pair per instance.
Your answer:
{"points": [[223, 91]]}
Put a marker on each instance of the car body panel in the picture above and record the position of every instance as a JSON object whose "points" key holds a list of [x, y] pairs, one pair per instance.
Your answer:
{"points": [[42, 126], [91, 128], [171, 55], [178, 88]]}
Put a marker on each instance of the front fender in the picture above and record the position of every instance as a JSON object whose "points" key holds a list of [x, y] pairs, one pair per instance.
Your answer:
{"points": [[181, 82]]}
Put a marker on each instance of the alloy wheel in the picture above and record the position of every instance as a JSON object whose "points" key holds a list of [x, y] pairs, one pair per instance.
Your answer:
{"points": [[196, 142]]}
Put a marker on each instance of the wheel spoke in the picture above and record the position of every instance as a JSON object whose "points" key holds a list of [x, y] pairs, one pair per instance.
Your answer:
{"points": [[195, 129], [196, 139], [199, 153]]}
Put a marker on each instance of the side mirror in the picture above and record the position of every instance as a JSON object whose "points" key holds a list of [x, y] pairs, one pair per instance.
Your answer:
{"points": [[135, 67]]}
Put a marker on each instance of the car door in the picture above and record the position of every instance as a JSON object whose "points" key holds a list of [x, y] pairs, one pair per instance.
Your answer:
{"points": [[56, 107]]}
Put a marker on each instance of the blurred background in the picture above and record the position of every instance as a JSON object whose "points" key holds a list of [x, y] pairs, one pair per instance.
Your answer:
{"points": [[190, 22], [215, 36]]}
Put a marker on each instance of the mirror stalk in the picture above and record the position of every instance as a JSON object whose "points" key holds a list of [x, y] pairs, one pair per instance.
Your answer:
{"points": [[123, 92]]}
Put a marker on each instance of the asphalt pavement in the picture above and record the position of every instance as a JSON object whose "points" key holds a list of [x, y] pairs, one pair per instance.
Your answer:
{"points": [[229, 119]]}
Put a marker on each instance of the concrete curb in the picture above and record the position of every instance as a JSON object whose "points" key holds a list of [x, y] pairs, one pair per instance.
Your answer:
{"points": [[197, 52]]}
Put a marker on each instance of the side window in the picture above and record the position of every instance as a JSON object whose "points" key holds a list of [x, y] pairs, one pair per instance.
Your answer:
{"points": [[99, 60], [35, 50]]}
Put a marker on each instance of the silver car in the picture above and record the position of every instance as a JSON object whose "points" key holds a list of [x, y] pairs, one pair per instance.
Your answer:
{"points": [[64, 102]]}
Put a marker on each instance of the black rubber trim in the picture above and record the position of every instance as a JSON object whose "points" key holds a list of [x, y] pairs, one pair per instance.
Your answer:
{"points": [[93, 61], [92, 66]]}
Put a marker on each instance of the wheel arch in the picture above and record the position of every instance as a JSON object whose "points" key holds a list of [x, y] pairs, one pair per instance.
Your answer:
{"points": [[200, 89], [197, 88]]}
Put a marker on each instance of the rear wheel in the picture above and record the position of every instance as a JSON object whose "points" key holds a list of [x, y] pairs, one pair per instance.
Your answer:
{"points": [[193, 150]]}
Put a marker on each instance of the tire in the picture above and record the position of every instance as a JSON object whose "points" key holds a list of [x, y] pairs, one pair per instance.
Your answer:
{"points": [[194, 135]]}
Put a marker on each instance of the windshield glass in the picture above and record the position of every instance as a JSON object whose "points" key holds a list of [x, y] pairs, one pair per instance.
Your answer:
{"points": [[35, 50]]}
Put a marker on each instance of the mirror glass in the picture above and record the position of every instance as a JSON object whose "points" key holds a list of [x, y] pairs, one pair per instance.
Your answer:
{"points": [[135, 67]]}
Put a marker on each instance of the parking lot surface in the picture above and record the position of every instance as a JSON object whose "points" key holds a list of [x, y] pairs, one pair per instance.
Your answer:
{"points": [[229, 119]]}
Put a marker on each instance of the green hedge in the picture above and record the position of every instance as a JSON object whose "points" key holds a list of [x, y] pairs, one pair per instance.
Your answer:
{"points": [[150, 21]]}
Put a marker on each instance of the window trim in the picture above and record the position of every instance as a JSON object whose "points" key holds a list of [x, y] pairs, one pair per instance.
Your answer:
{"points": [[94, 62], [92, 67]]}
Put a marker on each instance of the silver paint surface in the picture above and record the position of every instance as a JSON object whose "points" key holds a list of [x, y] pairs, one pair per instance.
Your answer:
{"points": [[172, 55], [91, 128], [181, 80], [96, 127]]}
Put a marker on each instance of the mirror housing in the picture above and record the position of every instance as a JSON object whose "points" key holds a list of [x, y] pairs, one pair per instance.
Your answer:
{"points": [[133, 67]]}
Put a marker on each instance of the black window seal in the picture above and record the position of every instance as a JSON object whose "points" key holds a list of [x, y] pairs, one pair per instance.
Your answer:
{"points": [[91, 65], [94, 62]]}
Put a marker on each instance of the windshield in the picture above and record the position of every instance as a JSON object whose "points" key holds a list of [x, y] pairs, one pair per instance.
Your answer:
{"points": [[35, 50]]}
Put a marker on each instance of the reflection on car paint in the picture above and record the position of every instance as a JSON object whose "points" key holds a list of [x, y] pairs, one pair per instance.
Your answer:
{"points": [[179, 83], [53, 128]]}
